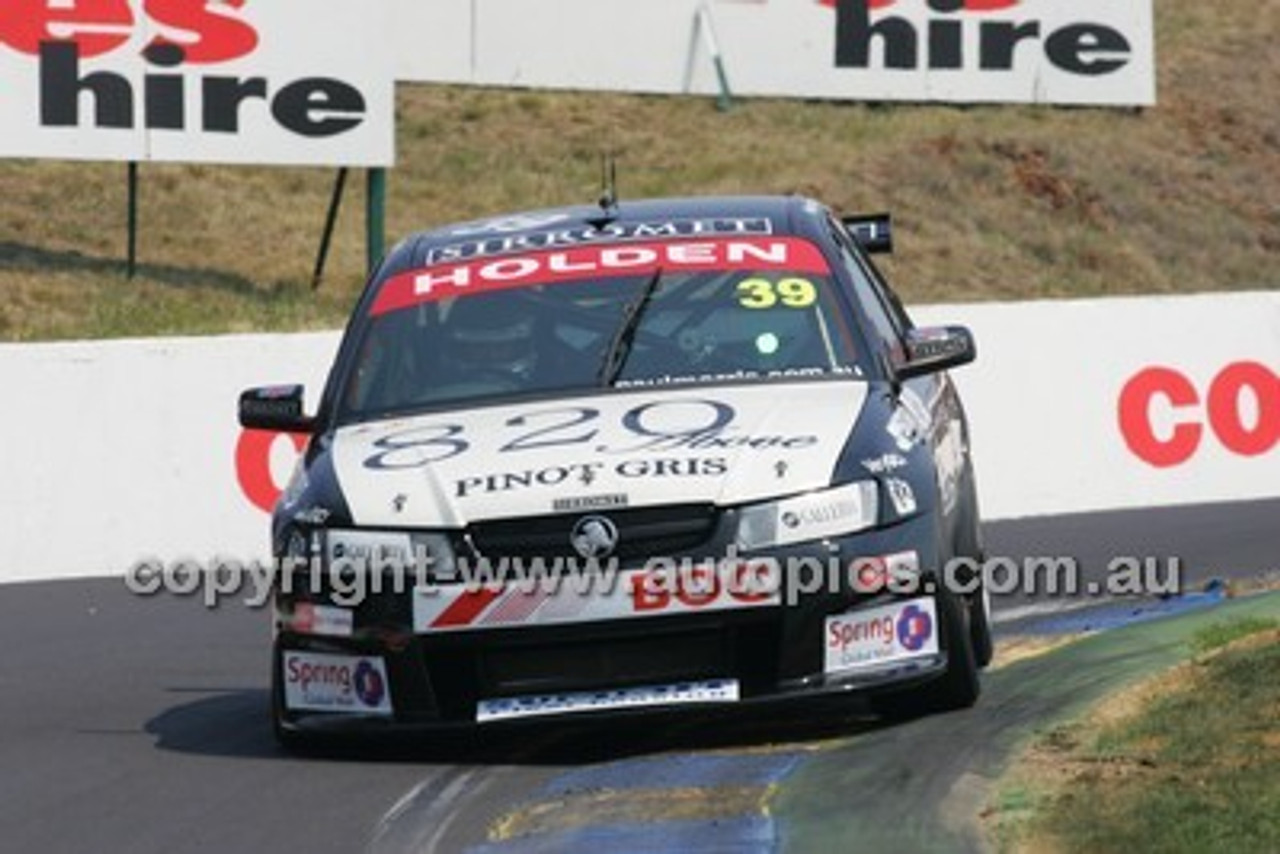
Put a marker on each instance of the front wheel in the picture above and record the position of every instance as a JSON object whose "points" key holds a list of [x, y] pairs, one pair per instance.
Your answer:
{"points": [[979, 605], [958, 686]]}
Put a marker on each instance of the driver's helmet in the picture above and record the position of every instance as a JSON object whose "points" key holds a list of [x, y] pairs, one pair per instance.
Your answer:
{"points": [[490, 334]]}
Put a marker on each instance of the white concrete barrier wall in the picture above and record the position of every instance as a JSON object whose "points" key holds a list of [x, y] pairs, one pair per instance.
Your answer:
{"points": [[1079, 405], [119, 450], [111, 452]]}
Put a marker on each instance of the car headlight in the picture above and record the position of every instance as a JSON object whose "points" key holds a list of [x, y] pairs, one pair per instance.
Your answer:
{"points": [[813, 516], [419, 552]]}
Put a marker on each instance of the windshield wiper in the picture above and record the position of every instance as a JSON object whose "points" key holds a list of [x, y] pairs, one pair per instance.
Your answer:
{"points": [[620, 347]]}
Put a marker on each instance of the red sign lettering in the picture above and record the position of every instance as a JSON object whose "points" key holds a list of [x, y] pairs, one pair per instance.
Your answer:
{"points": [[1225, 396], [97, 26], [206, 32], [844, 633], [1135, 417], [253, 465], [691, 586], [1223, 409]]}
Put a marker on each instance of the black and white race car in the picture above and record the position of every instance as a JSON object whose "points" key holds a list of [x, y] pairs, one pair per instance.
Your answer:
{"points": [[623, 458]]}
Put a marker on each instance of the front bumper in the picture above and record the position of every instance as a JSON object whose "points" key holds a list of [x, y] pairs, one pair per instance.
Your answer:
{"points": [[771, 653]]}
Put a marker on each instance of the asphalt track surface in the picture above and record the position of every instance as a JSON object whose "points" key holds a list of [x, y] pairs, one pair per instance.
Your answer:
{"points": [[140, 724]]}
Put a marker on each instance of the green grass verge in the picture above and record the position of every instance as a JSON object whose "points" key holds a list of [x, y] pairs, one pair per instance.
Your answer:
{"points": [[1189, 764], [1220, 634]]}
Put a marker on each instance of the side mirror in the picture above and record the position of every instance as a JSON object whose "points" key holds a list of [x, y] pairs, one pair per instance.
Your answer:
{"points": [[276, 408], [936, 348]]}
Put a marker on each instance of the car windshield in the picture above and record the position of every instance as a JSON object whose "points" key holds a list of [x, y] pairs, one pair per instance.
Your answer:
{"points": [[654, 315]]}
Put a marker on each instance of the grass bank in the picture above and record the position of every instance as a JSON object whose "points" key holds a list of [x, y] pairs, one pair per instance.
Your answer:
{"points": [[1186, 762], [991, 202]]}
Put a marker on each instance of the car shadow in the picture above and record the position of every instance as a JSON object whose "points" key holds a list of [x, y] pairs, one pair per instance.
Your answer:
{"points": [[235, 723], [224, 722]]}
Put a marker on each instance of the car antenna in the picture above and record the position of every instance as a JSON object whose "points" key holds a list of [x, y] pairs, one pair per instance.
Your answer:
{"points": [[608, 200]]}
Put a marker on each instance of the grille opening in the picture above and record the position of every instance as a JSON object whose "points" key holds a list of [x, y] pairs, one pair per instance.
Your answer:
{"points": [[643, 533]]}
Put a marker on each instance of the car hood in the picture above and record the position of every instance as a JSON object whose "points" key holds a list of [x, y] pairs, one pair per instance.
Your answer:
{"points": [[639, 447]]}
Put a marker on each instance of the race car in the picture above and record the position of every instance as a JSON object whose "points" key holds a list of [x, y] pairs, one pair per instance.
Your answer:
{"points": [[623, 458]]}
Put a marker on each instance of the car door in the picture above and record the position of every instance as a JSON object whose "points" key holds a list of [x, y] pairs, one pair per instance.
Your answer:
{"points": [[929, 401]]}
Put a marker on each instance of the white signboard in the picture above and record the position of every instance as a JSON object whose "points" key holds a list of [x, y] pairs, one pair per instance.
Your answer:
{"points": [[230, 81], [1037, 51]]}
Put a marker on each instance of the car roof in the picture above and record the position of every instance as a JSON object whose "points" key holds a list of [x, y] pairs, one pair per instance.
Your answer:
{"points": [[506, 232]]}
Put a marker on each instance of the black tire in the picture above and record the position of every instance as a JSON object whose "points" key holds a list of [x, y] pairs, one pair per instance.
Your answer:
{"points": [[295, 742], [980, 629], [958, 686], [969, 544]]}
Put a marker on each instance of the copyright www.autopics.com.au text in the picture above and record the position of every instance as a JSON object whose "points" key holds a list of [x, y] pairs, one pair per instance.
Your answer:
{"points": [[348, 582]]}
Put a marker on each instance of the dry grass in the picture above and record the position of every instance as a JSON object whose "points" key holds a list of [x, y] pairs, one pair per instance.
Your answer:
{"points": [[992, 202], [1186, 761]]}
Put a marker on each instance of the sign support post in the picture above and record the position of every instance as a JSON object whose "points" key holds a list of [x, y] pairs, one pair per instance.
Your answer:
{"points": [[331, 218], [375, 215], [131, 262], [724, 101]]}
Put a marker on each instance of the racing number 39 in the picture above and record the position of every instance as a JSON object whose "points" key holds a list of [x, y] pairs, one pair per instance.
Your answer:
{"points": [[759, 293]]}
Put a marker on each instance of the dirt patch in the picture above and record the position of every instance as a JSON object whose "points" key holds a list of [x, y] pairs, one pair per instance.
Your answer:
{"points": [[629, 806], [1014, 648], [1084, 759], [1034, 172], [1247, 586]]}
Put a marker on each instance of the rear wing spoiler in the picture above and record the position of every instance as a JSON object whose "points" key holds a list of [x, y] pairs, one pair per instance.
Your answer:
{"points": [[873, 232]]}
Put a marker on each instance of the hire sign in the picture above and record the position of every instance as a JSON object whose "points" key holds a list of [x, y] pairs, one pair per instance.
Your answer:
{"points": [[229, 81], [1099, 52]]}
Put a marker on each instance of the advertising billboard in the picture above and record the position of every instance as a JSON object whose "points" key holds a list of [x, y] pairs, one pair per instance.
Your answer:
{"points": [[241, 81], [964, 51]]}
